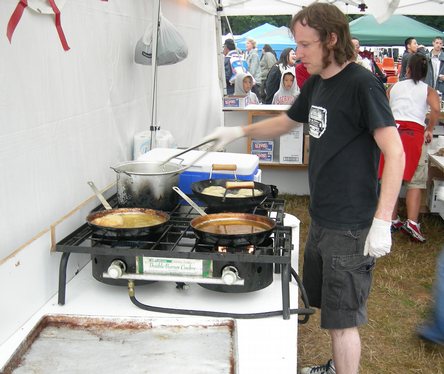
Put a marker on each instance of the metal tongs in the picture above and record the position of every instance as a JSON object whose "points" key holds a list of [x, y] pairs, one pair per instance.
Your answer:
{"points": [[190, 149]]}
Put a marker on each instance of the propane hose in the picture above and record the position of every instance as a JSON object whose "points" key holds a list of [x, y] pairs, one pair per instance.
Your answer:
{"points": [[306, 311]]}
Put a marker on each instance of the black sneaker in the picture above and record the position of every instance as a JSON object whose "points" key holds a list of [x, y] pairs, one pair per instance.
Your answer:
{"points": [[328, 368]]}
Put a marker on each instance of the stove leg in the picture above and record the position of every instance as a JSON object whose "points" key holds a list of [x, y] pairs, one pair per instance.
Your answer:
{"points": [[62, 277], [285, 278]]}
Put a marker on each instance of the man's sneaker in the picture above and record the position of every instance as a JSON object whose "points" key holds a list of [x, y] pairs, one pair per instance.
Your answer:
{"points": [[328, 368], [414, 230], [396, 224]]}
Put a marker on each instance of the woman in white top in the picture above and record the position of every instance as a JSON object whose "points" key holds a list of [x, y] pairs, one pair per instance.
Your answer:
{"points": [[409, 101]]}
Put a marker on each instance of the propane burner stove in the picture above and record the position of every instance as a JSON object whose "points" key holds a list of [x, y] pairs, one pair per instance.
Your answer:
{"points": [[175, 255]]}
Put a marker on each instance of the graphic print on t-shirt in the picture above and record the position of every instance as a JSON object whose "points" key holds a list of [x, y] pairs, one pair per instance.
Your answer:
{"points": [[317, 120]]}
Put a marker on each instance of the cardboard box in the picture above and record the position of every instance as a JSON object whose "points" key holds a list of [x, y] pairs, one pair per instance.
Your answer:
{"points": [[290, 147], [306, 148], [235, 102], [435, 205], [264, 156], [263, 149], [262, 145]]}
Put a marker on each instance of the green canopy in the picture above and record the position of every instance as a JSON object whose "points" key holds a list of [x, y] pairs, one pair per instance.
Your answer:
{"points": [[392, 32]]}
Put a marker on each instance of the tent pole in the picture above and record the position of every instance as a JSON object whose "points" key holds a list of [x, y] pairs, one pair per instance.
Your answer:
{"points": [[220, 57], [156, 24]]}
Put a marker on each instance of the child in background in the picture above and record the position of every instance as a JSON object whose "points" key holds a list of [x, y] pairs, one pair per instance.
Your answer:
{"points": [[288, 90], [242, 87]]}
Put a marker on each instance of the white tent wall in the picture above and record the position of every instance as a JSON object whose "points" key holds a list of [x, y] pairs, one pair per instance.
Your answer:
{"points": [[66, 117], [189, 93]]}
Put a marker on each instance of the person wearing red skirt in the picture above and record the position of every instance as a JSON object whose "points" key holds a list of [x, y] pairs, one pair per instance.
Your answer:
{"points": [[409, 101]]}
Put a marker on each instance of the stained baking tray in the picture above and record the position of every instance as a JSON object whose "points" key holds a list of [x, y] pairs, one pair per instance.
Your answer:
{"points": [[84, 344]]}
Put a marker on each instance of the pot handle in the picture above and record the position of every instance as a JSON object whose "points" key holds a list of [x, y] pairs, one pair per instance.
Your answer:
{"points": [[229, 185], [99, 195], [189, 201], [121, 171], [187, 150], [229, 167]]}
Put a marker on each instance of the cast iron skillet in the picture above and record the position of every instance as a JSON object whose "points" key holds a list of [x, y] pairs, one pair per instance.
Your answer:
{"points": [[231, 203]]}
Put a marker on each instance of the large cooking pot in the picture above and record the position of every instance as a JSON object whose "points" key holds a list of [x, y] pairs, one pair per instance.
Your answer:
{"points": [[232, 229], [127, 223], [225, 203], [147, 184]]}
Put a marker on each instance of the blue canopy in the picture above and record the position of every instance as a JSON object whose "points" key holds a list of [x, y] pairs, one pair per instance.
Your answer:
{"points": [[254, 33], [278, 38]]}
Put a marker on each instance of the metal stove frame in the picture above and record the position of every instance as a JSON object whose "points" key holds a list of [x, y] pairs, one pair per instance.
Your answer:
{"points": [[175, 241]]}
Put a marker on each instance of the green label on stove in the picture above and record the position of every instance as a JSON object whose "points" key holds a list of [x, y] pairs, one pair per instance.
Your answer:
{"points": [[174, 266]]}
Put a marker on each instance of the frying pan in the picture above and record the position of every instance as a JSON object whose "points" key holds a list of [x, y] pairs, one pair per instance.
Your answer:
{"points": [[231, 203], [102, 222], [229, 229], [232, 229], [124, 222]]}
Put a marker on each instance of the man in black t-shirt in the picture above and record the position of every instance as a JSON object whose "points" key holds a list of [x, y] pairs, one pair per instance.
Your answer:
{"points": [[350, 122]]}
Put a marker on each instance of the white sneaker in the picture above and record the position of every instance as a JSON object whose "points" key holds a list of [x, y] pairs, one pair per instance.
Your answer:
{"points": [[328, 368]]}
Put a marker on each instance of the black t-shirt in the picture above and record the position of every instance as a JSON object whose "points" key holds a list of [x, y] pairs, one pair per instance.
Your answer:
{"points": [[342, 112]]}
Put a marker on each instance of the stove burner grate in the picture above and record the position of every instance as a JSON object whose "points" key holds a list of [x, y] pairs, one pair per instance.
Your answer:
{"points": [[178, 241]]}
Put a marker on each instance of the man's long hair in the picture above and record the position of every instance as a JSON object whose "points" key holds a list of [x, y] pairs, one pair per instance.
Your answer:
{"points": [[328, 19]]}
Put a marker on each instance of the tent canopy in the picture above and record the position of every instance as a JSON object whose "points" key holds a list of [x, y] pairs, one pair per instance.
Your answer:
{"points": [[278, 38], [381, 9], [394, 31], [254, 33]]}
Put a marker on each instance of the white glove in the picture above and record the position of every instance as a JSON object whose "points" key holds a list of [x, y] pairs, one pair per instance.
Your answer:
{"points": [[379, 238], [224, 135]]}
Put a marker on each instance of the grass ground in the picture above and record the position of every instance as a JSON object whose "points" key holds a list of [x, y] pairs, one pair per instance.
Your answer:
{"points": [[400, 300]]}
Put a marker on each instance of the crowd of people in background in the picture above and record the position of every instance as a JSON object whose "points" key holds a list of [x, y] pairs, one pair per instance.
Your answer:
{"points": [[266, 68], [266, 71], [414, 101]]}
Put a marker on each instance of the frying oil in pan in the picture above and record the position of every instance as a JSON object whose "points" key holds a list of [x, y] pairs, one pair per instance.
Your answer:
{"points": [[128, 220], [232, 226]]}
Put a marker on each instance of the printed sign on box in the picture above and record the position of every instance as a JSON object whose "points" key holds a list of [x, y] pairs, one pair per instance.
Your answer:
{"points": [[262, 145], [291, 150], [235, 101], [263, 149], [264, 156]]}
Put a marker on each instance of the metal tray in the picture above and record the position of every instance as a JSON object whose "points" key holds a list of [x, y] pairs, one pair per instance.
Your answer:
{"points": [[83, 344]]}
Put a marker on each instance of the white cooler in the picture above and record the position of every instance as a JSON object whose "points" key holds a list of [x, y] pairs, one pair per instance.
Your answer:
{"points": [[247, 165]]}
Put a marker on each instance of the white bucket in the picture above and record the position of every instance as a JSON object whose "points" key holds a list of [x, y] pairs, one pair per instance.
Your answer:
{"points": [[142, 142]]}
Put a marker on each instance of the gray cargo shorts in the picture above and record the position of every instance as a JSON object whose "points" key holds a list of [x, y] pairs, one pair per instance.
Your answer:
{"points": [[337, 276]]}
